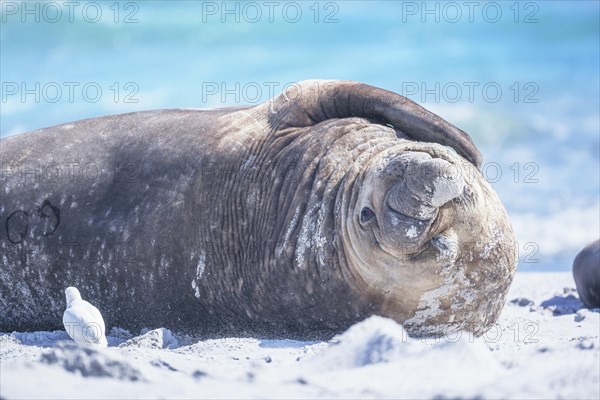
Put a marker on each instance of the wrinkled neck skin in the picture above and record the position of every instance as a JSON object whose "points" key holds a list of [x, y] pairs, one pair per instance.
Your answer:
{"points": [[437, 263], [280, 223]]}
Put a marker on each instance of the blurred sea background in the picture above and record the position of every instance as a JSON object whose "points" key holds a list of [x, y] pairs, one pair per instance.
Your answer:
{"points": [[521, 77]]}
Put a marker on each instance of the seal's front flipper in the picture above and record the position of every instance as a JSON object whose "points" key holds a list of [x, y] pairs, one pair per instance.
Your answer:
{"points": [[311, 102]]}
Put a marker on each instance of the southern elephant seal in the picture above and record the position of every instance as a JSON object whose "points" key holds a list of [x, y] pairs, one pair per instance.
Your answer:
{"points": [[332, 202], [586, 271]]}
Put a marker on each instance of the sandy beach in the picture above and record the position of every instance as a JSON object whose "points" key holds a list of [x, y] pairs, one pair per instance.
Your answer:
{"points": [[545, 345]]}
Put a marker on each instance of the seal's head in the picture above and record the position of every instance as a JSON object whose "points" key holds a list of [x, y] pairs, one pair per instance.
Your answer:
{"points": [[428, 240]]}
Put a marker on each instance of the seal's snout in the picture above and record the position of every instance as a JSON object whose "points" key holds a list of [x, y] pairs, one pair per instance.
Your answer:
{"points": [[419, 186], [427, 184], [435, 182]]}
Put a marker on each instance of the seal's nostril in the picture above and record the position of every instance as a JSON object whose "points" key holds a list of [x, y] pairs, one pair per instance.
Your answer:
{"points": [[435, 181]]}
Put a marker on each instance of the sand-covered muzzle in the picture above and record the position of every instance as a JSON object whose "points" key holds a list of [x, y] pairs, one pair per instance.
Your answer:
{"points": [[332, 202]]}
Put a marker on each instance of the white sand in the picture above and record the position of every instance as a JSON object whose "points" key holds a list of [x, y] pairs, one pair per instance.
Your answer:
{"points": [[547, 349]]}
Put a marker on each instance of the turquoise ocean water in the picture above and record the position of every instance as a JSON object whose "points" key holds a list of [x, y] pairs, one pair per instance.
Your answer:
{"points": [[522, 78]]}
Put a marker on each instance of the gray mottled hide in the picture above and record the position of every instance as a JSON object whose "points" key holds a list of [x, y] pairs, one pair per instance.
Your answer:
{"points": [[249, 219], [586, 271]]}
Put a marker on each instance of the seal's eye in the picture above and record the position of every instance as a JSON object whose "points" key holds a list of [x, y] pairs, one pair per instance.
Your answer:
{"points": [[366, 215]]}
